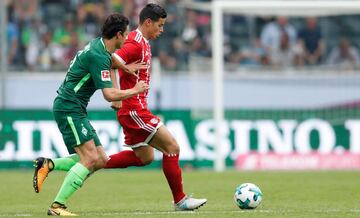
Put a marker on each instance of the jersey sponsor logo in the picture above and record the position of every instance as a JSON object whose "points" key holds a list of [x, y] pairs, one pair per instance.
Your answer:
{"points": [[105, 75]]}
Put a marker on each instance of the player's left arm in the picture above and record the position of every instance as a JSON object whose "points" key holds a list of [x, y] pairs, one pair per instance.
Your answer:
{"points": [[114, 79], [99, 68], [116, 105], [128, 58], [131, 68]]}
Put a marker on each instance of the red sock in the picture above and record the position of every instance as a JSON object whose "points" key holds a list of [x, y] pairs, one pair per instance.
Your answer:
{"points": [[123, 159], [172, 173]]}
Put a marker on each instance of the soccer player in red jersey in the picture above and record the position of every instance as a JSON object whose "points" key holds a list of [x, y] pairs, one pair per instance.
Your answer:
{"points": [[144, 131]]}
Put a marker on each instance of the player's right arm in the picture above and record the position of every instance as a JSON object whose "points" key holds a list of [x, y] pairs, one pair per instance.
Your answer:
{"points": [[131, 68], [115, 94], [128, 58], [116, 105], [99, 67]]}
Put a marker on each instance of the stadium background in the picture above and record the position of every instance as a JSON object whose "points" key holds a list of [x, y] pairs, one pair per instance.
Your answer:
{"points": [[280, 108], [295, 122]]}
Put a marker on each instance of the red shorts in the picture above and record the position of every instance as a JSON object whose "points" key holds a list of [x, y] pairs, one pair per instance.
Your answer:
{"points": [[139, 126]]}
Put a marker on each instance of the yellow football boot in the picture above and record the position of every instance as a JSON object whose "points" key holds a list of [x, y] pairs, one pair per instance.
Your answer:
{"points": [[58, 209]]}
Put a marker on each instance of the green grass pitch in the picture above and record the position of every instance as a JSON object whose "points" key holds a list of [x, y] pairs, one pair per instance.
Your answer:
{"points": [[144, 193]]}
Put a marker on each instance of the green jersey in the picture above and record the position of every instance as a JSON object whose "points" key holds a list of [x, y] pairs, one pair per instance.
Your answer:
{"points": [[88, 71]]}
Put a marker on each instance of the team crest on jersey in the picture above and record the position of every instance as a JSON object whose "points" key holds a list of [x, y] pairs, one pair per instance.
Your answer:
{"points": [[84, 130], [105, 75], [154, 121]]}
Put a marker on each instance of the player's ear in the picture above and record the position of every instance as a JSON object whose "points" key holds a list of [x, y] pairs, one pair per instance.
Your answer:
{"points": [[126, 32], [148, 21], [119, 34]]}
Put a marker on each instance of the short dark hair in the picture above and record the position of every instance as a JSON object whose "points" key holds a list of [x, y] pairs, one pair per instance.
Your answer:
{"points": [[152, 11], [113, 24]]}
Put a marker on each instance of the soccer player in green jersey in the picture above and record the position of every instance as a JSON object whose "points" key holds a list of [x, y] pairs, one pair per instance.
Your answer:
{"points": [[89, 71]]}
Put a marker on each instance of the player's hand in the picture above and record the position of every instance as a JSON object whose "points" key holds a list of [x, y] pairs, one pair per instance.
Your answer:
{"points": [[141, 87], [133, 67], [116, 105]]}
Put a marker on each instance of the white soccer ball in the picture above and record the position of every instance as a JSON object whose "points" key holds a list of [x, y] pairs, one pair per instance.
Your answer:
{"points": [[247, 196]]}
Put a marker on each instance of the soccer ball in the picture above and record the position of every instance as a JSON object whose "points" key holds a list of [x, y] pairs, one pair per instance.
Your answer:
{"points": [[247, 196]]}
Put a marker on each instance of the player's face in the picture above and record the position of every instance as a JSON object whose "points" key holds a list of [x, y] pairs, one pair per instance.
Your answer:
{"points": [[121, 38], [156, 28]]}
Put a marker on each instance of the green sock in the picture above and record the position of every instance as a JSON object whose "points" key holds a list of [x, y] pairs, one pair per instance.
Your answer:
{"points": [[65, 163], [72, 182]]}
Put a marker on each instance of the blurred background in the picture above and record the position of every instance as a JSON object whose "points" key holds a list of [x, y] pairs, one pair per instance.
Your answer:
{"points": [[291, 83]]}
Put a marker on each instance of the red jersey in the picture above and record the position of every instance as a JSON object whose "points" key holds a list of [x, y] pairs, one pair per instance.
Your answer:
{"points": [[135, 48]]}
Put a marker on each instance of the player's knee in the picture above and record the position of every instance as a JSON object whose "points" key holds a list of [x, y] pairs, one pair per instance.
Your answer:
{"points": [[90, 161], [147, 159], [101, 163], [173, 147]]}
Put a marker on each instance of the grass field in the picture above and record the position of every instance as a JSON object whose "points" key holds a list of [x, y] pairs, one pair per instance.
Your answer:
{"points": [[144, 193]]}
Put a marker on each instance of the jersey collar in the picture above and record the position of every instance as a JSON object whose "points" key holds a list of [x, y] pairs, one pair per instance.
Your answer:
{"points": [[102, 42], [137, 30]]}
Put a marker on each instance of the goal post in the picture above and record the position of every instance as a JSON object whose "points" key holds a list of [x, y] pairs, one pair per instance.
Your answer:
{"points": [[300, 8], [3, 39]]}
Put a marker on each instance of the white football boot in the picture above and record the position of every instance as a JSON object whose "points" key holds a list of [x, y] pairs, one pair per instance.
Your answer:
{"points": [[189, 203]]}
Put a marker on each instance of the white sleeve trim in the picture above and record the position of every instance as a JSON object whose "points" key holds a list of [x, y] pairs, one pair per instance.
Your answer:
{"points": [[119, 58]]}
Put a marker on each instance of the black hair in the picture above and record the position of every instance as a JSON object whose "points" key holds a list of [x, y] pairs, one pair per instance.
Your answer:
{"points": [[152, 11], [113, 24]]}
